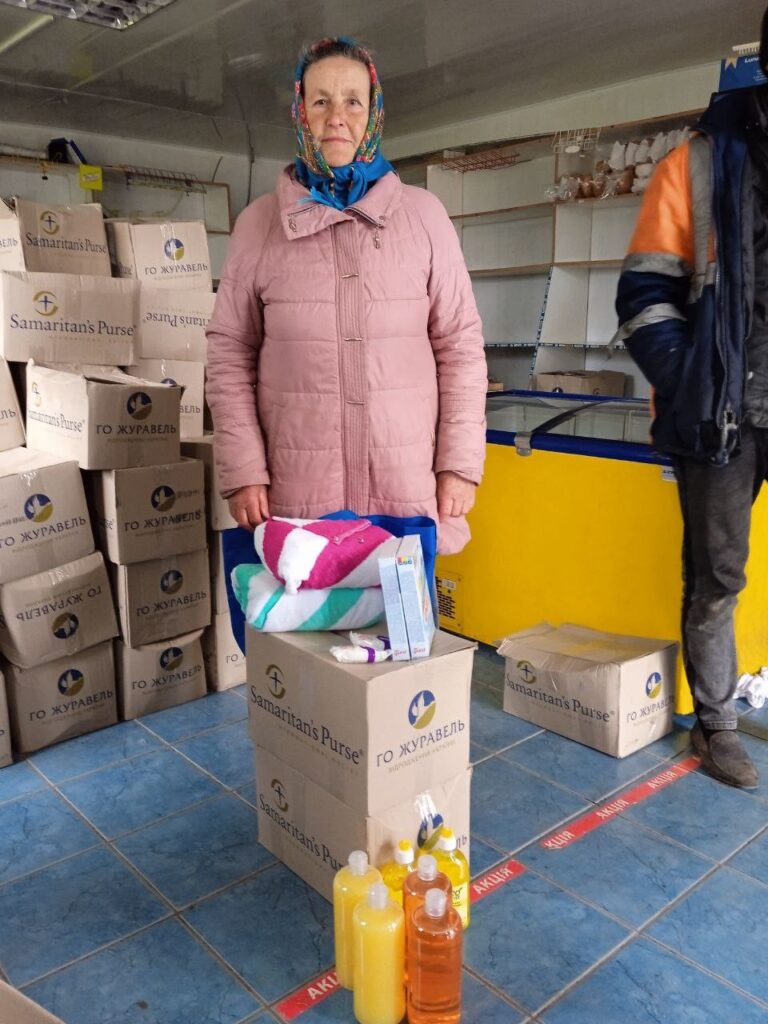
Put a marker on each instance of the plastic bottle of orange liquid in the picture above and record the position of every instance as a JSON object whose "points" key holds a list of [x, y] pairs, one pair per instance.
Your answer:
{"points": [[426, 876], [452, 862], [378, 937], [395, 872], [434, 962], [350, 885]]}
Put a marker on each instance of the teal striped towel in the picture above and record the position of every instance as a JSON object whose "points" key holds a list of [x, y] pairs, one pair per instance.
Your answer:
{"points": [[267, 607]]}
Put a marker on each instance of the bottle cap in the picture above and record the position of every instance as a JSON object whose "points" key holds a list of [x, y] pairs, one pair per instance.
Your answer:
{"points": [[427, 868], [435, 902], [358, 862], [447, 840], [378, 896], [404, 852]]}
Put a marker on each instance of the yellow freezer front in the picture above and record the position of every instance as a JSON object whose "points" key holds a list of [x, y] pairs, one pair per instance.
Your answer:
{"points": [[585, 530]]}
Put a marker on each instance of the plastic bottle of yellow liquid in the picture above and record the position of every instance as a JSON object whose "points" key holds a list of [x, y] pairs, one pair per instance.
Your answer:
{"points": [[378, 937], [350, 886], [394, 873], [452, 862]]}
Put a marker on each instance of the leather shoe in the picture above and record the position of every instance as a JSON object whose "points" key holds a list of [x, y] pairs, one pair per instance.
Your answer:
{"points": [[724, 757]]}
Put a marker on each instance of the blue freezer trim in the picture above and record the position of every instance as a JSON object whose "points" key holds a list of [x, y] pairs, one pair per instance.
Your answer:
{"points": [[623, 451], [524, 393]]}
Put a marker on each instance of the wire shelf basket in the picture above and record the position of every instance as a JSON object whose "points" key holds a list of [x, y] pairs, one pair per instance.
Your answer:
{"points": [[575, 140], [487, 160], [178, 181]]}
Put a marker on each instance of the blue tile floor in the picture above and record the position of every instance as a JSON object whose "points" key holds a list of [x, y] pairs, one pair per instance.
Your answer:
{"points": [[133, 889]]}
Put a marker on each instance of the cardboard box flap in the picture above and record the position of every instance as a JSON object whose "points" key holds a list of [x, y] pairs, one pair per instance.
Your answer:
{"points": [[27, 460], [319, 645], [578, 643], [509, 644], [180, 641], [75, 282]]}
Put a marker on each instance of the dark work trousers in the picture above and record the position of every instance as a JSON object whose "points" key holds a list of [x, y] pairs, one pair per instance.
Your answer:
{"points": [[716, 502]]}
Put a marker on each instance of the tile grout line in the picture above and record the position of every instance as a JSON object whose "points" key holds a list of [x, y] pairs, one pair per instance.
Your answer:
{"points": [[500, 993], [726, 982]]}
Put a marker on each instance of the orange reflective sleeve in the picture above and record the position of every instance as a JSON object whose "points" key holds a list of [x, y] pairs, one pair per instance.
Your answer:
{"points": [[665, 222]]}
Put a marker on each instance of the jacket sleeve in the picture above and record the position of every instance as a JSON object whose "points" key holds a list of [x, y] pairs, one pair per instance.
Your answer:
{"points": [[456, 335], [234, 339], [656, 276]]}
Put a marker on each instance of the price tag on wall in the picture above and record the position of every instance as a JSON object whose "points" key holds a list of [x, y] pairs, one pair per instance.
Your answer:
{"points": [[91, 177]]}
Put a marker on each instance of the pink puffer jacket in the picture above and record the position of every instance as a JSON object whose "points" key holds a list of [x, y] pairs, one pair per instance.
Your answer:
{"points": [[359, 334]]}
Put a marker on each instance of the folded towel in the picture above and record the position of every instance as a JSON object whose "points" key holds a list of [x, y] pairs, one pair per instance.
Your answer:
{"points": [[313, 554], [270, 608]]}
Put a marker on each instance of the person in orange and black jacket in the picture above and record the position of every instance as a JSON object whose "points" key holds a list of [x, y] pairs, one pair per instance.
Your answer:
{"points": [[693, 312]]}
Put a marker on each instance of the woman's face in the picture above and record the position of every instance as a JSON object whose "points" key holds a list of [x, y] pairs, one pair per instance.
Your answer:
{"points": [[337, 94]]}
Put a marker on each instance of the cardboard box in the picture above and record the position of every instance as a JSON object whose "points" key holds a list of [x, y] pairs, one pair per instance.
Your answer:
{"points": [[161, 675], [56, 613], [5, 733], [313, 832], [102, 421], [218, 574], [149, 509], [66, 318], [614, 693], [581, 382], [172, 323], [11, 423], [160, 253], [190, 376], [62, 699], [43, 514], [16, 1008], [202, 448], [11, 253], [224, 661], [62, 239], [163, 598], [360, 730]]}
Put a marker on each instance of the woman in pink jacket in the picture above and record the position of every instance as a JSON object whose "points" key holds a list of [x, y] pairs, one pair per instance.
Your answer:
{"points": [[346, 367]]}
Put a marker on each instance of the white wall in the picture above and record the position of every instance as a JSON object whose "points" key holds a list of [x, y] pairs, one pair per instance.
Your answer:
{"points": [[654, 96]]}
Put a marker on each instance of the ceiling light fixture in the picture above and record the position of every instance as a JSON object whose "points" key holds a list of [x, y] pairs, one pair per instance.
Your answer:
{"points": [[120, 14]]}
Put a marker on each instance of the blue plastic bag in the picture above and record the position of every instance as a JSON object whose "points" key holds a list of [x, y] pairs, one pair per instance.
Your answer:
{"points": [[237, 545]]}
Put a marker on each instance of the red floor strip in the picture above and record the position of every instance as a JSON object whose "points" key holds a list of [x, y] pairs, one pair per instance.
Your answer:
{"points": [[494, 879], [315, 992], [594, 819]]}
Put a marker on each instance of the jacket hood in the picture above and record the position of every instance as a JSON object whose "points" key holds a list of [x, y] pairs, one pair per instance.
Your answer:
{"points": [[728, 112]]}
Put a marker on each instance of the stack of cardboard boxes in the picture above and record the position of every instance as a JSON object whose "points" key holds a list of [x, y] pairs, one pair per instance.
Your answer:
{"points": [[224, 661], [56, 615], [60, 307], [352, 756]]}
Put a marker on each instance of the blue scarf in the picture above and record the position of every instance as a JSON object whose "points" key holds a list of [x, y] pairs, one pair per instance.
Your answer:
{"points": [[350, 182]]}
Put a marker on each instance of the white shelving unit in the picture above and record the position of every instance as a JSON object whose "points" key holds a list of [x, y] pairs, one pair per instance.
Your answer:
{"points": [[544, 274]]}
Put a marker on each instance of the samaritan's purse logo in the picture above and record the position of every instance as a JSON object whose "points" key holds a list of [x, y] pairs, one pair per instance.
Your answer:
{"points": [[163, 498], [278, 791], [139, 405], [49, 222], [275, 683], [45, 303], [174, 249], [653, 685], [422, 709], [71, 682], [38, 508], [171, 658], [171, 581], [65, 625]]}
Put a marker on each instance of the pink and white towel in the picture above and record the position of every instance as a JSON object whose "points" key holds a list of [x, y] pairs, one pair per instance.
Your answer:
{"points": [[315, 554]]}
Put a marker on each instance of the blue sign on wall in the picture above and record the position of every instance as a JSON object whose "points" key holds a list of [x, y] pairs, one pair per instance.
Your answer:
{"points": [[741, 73]]}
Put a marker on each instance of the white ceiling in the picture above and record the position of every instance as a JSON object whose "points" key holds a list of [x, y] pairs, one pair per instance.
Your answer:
{"points": [[209, 72]]}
